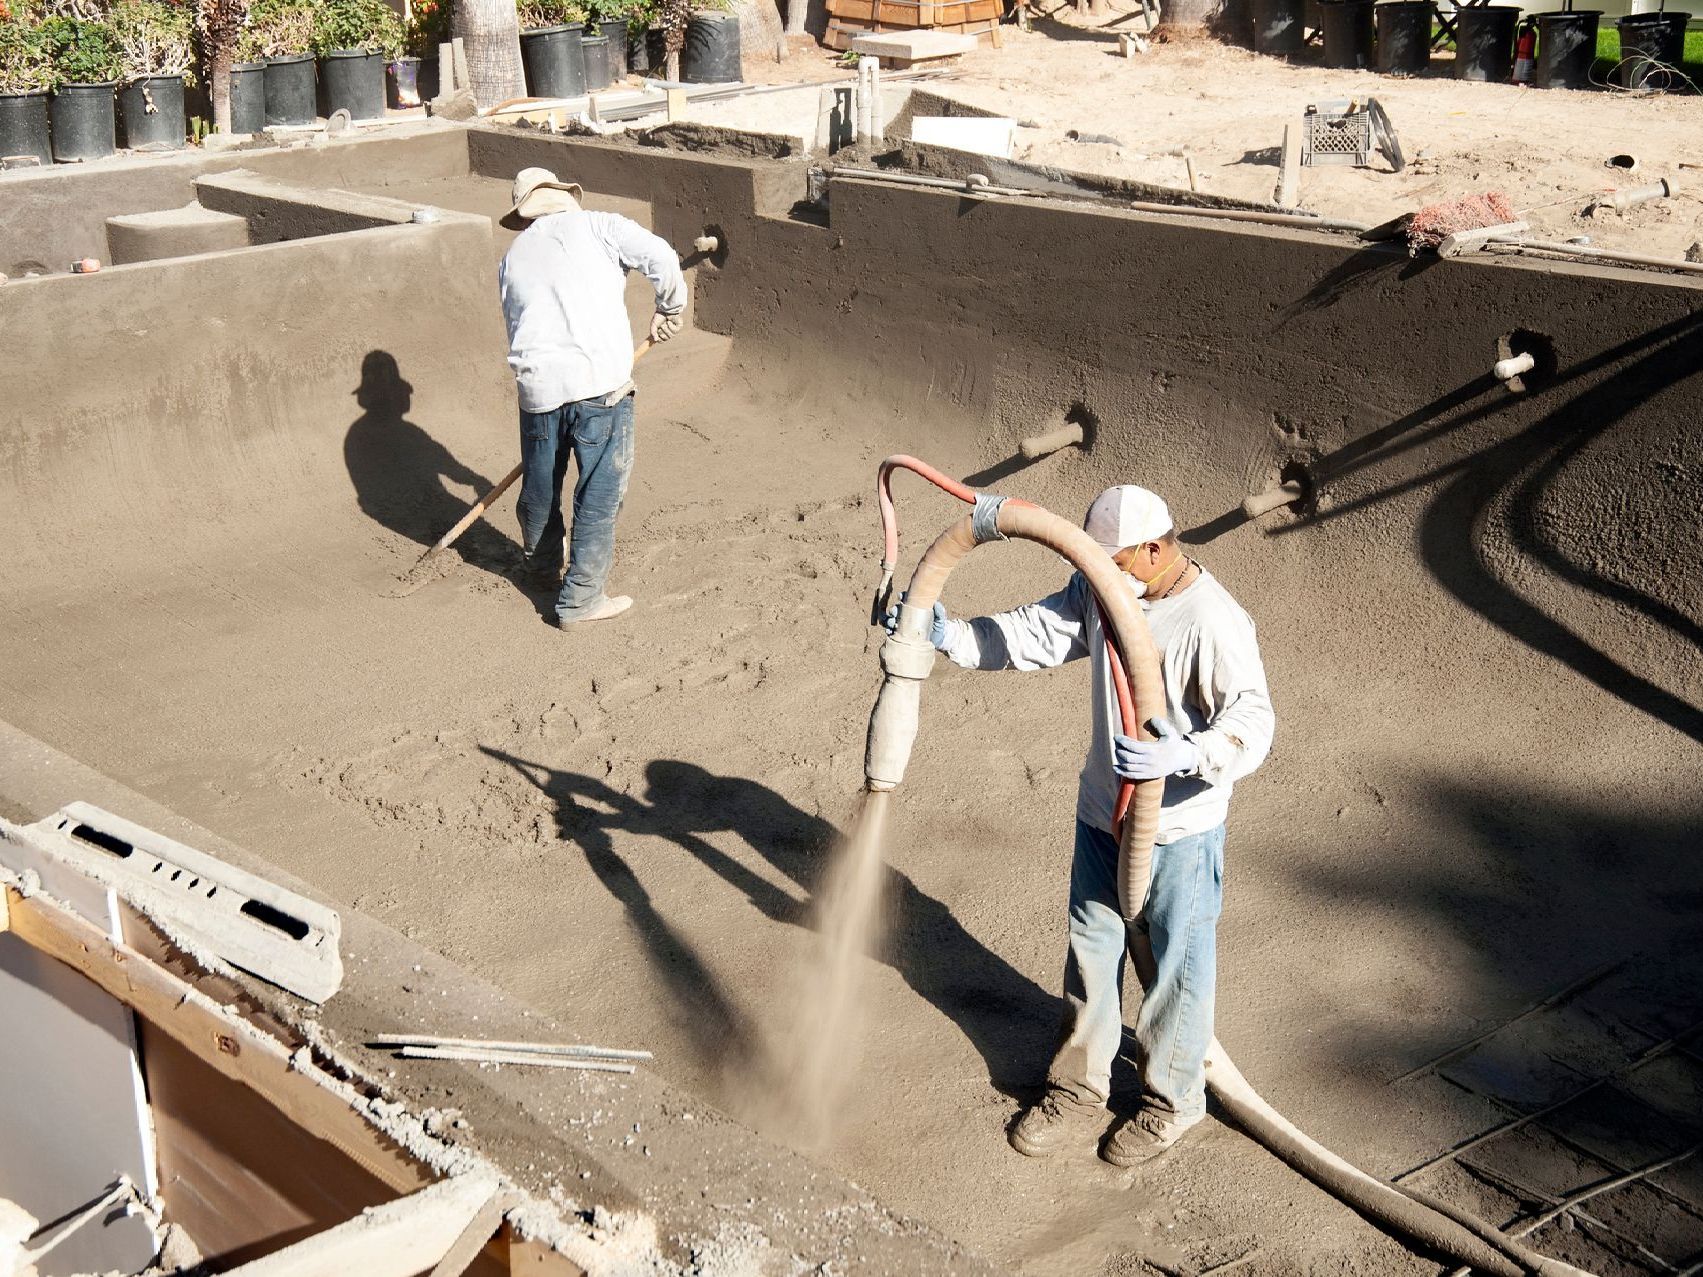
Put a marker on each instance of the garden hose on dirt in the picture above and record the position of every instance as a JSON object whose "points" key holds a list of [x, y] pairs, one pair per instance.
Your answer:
{"points": [[907, 657]]}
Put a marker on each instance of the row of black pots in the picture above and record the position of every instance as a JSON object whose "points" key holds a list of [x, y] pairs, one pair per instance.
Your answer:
{"points": [[570, 60], [1395, 36], [80, 121]]}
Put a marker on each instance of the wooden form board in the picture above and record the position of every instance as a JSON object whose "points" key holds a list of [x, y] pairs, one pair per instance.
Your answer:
{"points": [[916, 13], [232, 1049], [839, 35]]}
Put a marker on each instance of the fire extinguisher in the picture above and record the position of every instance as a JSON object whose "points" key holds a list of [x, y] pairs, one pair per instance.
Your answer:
{"points": [[1525, 53]]}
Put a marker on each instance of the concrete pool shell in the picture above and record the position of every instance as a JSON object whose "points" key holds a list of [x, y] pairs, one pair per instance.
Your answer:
{"points": [[1482, 643]]}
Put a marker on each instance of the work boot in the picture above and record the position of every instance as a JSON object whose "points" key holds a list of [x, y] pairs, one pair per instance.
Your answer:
{"points": [[1142, 1138], [1057, 1122], [612, 605]]}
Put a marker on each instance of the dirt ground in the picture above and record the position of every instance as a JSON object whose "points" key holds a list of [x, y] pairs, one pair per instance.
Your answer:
{"points": [[1226, 107], [623, 826]]}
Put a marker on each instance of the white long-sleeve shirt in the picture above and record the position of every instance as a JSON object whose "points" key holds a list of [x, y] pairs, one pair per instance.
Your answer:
{"points": [[1215, 689], [562, 283]]}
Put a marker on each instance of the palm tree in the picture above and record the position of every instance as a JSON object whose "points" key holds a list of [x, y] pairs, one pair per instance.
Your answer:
{"points": [[671, 17], [219, 22], [490, 32]]}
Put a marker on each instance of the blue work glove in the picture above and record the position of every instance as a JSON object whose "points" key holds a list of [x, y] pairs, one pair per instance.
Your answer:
{"points": [[936, 631], [1134, 759]]}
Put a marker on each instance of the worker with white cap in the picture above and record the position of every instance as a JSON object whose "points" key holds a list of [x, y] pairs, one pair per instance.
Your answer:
{"points": [[563, 284], [1215, 728]]}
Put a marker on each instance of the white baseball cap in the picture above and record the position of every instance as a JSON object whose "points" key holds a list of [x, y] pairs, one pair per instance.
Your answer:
{"points": [[1127, 515]]}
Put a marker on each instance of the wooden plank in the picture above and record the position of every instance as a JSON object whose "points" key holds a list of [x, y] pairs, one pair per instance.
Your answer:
{"points": [[239, 1176], [479, 1231], [233, 1048], [1290, 175], [399, 1239]]}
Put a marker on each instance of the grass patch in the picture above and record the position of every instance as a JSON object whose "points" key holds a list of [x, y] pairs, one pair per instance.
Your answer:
{"points": [[1608, 54]]}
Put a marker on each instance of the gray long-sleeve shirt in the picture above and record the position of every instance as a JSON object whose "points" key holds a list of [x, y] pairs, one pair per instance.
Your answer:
{"points": [[1215, 689], [562, 283]]}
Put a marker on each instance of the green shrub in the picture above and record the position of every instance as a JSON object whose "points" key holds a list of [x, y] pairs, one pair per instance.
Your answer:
{"points": [[428, 27], [276, 29], [356, 24], [26, 62], [157, 37], [549, 13], [83, 52]]}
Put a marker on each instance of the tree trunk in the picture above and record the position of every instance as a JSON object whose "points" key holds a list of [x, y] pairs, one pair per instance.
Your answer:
{"points": [[1190, 18], [490, 31], [671, 66], [796, 10], [219, 71]]}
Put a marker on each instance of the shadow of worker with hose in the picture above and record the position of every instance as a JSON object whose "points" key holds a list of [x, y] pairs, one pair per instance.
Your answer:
{"points": [[1007, 1017], [399, 471]]}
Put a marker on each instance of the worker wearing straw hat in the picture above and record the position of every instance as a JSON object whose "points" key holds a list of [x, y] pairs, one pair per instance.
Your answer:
{"points": [[563, 284]]}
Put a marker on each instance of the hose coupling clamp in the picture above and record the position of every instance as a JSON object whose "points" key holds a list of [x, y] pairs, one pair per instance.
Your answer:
{"points": [[902, 657], [984, 519]]}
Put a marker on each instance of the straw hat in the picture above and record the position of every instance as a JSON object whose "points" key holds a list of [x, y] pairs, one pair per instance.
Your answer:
{"points": [[536, 193]]}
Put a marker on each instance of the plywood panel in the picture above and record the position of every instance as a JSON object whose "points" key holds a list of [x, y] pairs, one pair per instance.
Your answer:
{"points": [[234, 1171], [72, 1115]]}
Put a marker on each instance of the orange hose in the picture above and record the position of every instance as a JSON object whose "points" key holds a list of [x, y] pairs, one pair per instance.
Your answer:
{"points": [[966, 494]]}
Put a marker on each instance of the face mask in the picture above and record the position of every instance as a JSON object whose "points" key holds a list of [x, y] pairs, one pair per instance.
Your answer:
{"points": [[1169, 564]]}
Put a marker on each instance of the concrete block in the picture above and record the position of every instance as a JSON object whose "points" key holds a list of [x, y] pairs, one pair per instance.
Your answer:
{"points": [[172, 232], [980, 135], [203, 904], [903, 48]]}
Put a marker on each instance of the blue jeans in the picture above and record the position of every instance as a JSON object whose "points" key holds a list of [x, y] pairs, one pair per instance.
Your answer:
{"points": [[1174, 1026], [599, 440]]}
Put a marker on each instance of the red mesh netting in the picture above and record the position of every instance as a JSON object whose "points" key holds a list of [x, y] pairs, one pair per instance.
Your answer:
{"points": [[1432, 223]]}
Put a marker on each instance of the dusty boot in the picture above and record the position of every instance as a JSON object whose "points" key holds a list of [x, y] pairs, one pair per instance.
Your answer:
{"points": [[1056, 1122], [1141, 1139], [614, 605]]}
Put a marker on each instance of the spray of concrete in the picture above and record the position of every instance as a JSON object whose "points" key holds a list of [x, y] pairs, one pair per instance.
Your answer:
{"points": [[813, 1051]]}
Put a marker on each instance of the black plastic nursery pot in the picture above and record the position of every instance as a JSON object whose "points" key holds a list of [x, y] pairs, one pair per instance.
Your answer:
{"points": [[614, 30], [290, 89], [656, 53], [596, 49], [1484, 42], [711, 55], [352, 80], [638, 53], [23, 125], [152, 111], [554, 58], [1404, 36], [1280, 27], [1348, 28], [248, 97], [1647, 38], [83, 119], [1566, 48]]}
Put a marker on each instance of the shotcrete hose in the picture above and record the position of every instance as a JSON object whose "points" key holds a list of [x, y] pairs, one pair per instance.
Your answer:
{"points": [[907, 657], [1133, 863]]}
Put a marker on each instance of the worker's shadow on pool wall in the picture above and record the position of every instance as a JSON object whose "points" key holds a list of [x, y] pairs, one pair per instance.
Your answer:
{"points": [[1008, 1017], [400, 472]]}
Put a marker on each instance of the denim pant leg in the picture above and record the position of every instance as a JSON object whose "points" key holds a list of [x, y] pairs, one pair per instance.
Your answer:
{"points": [[544, 464], [1174, 1025], [1093, 971], [603, 450]]}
